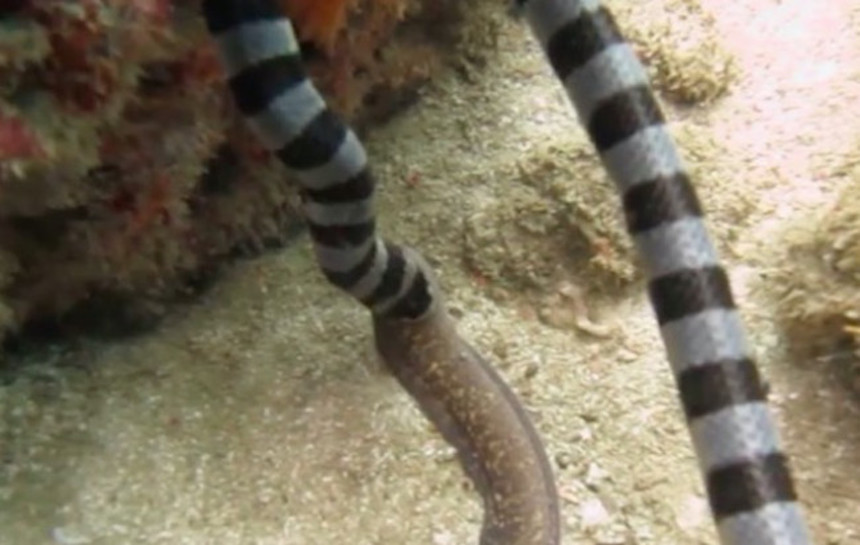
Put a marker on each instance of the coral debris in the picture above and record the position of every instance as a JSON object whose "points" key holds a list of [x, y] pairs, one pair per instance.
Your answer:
{"points": [[318, 21]]}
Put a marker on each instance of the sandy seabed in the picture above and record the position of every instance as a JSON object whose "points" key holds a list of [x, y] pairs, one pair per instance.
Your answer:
{"points": [[259, 415]]}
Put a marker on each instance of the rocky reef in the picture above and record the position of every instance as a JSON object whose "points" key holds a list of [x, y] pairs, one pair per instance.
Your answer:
{"points": [[126, 176]]}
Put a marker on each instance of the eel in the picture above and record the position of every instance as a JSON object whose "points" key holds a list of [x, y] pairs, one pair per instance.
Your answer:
{"points": [[748, 480], [454, 386]]}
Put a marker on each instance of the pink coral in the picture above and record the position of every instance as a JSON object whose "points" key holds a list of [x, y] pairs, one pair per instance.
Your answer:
{"points": [[17, 141]]}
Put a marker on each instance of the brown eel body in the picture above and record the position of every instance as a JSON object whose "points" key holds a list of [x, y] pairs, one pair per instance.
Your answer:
{"points": [[479, 415]]}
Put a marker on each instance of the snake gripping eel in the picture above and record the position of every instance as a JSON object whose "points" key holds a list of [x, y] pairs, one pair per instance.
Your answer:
{"points": [[748, 481], [454, 386]]}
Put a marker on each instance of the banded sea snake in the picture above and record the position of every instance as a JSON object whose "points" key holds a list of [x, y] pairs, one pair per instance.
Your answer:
{"points": [[749, 485]]}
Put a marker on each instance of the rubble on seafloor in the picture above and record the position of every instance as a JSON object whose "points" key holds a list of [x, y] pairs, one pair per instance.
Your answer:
{"points": [[126, 175], [820, 301]]}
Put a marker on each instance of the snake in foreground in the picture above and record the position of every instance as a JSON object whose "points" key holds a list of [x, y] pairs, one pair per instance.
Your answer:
{"points": [[748, 481]]}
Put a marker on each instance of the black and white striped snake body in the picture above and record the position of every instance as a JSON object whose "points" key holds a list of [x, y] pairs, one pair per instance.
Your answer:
{"points": [[749, 485]]}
